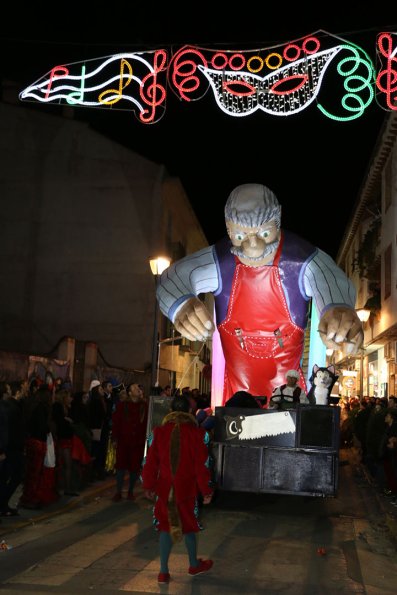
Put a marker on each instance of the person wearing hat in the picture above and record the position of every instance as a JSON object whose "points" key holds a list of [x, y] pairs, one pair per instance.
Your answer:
{"points": [[263, 279], [289, 394], [93, 384]]}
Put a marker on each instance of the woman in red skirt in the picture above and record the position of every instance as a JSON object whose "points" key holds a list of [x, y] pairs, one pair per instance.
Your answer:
{"points": [[39, 482]]}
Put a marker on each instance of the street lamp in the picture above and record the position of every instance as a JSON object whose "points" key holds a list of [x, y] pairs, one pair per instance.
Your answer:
{"points": [[157, 266], [363, 314]]}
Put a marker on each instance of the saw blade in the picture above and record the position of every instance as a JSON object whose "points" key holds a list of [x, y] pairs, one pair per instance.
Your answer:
{"points": [[258, 426]]}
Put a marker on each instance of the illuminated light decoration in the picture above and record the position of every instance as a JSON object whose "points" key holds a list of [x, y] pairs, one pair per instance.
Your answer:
{"points": [[268, 61], [142, 73], [183, 72], [295, 47], [152, 93], [280, 80], [117, 95], [53, 75], [218, 370], [353, 83], [387, 75], [233, 59], [252, 59], [307, 42], [241, 94], [215, 61], [291, 79]]}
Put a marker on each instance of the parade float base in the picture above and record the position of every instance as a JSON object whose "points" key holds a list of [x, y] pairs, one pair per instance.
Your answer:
{"points": [[280, 452]]}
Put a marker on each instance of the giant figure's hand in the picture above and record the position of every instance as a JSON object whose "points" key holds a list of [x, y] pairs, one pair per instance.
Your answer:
{"points": [[341, 328], [194, 321]]}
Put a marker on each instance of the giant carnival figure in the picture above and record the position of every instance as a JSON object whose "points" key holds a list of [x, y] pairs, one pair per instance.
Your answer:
{"points": [[262, 278]]}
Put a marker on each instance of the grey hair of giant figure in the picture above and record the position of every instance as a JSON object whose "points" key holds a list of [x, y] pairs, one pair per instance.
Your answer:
{"points": [[252, 205]]}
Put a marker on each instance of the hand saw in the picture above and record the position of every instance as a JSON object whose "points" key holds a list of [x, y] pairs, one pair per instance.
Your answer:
{"points": [[257, 426]]}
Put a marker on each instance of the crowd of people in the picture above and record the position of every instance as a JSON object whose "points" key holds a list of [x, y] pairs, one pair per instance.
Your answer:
{"points": [[55, 441], [370, 425]]}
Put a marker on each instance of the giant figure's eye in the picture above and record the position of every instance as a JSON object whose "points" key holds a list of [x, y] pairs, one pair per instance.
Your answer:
{"points": [[265, 233], [239, 236]]}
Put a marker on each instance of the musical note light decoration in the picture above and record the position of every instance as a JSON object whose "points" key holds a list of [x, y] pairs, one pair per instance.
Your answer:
{"points": [[281, 80], [386, 80]]}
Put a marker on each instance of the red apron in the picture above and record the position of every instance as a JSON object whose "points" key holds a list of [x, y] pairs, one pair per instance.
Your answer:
{"points": [[259, 339]]}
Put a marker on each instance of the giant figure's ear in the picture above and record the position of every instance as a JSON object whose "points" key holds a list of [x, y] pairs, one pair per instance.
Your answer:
{"points": [[315, 368], [331, 369]]}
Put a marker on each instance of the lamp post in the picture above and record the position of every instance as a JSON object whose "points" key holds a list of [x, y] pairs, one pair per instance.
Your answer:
{"points": [[157, 266]]}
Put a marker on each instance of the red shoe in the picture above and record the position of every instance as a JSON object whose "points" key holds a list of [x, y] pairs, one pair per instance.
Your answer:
{"points": [[163, 577], [204, 566], [116, 497]]}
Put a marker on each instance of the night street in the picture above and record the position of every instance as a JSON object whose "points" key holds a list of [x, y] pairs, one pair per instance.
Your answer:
{"points": [[259, 543]]}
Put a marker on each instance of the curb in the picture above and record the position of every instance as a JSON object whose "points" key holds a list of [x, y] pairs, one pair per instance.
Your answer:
{"points": [[54, 509]]}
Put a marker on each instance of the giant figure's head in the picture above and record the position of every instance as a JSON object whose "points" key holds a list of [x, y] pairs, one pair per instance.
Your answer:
{"points": [[253, 219]]}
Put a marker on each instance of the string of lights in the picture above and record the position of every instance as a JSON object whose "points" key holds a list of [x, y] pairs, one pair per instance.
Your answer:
{"points": [[278, 80]]}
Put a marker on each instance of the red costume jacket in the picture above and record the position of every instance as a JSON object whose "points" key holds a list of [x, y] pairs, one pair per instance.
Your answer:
{"points": [[129, 422], [177, 470]]}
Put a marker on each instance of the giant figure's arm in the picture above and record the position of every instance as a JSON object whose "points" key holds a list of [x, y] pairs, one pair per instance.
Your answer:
{"points": [[178, 289], [334, 297]]}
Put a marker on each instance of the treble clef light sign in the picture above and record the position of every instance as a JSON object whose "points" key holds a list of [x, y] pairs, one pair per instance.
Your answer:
{"points": [[387, 77], [151, 91]]}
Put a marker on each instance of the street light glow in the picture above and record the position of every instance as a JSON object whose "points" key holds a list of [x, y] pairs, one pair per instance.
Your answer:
{"points": [[159, 264], [363, 314]]}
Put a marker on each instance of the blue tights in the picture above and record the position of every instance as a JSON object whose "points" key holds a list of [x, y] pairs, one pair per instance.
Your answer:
{"points": [[166, 547], [133, 476]]}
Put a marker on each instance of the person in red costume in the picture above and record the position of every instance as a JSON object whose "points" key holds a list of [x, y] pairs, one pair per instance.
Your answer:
{"points": [[175, 472], [129, 421], [263, 279]]}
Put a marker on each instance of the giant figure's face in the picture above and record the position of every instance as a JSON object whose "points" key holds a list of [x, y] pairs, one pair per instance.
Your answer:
{"points": [[254, 246]]}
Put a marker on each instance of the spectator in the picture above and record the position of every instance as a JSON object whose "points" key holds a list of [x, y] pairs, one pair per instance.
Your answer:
{"points": [[392, 401], [64, 433], [389, 453], [82, 439], [3, 425], [167, 391], [129, 423], [11, 473], [109, 397], [359, 428], [97, 419], [374, 438], [39, 484]]}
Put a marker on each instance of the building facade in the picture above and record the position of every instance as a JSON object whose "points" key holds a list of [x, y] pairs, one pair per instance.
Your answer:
{"points": [[368, 254], [81, 218]]}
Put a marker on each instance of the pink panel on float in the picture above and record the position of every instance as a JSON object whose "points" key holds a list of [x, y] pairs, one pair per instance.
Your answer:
{"points": [[218, 371]]}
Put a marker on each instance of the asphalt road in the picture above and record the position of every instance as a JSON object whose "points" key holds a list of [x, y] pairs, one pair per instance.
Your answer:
{"points": [[267, 544]]}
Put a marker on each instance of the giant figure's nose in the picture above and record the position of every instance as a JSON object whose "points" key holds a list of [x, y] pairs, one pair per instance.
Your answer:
{"points": [[253, 240]]}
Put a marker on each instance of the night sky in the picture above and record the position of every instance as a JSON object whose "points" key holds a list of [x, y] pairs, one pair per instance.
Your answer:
{"points": [[314, 165]]}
